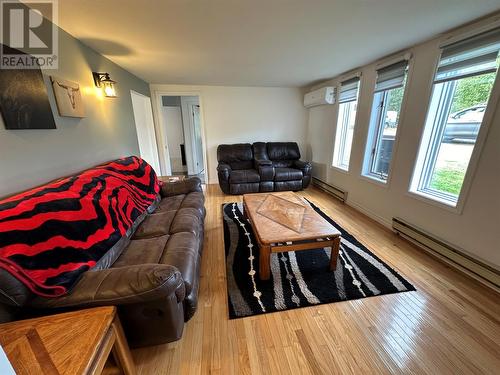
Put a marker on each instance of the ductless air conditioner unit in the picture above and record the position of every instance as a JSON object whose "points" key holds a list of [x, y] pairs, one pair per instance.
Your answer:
{"points": [[324, 95]]}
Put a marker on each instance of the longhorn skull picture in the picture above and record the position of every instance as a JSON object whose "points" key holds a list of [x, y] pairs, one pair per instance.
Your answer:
{"points": [[68, 97]]}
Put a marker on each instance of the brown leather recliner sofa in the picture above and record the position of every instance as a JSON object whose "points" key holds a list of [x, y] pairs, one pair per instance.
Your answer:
{"points": [[262, 167], [153, 282]]}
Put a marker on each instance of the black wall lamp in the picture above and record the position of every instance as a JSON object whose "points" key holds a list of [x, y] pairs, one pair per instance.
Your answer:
{"points": [[107, 84]]}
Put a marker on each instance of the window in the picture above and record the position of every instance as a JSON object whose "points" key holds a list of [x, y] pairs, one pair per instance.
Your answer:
{"points": [[348, 101], [462, 86], [384, 120]]}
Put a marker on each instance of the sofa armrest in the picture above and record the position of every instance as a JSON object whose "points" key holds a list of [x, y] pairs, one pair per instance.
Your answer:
{"points": [[120, 286], [265, 169], [223, 170], [262, 162], [186, 186], [304, 166]]}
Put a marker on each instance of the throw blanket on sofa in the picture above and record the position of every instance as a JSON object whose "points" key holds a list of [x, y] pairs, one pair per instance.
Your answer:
{"points": [[50, 235]]}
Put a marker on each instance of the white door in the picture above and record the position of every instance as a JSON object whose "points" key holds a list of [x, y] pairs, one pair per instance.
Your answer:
{"points": [[143, 116], [192, 134]]}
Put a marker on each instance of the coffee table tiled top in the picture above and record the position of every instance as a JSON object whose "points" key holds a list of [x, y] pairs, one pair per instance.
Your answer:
{"points": [[285, 217]]}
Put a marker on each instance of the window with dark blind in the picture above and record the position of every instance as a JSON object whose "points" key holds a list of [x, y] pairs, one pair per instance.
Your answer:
{"points": [[387, 99]]}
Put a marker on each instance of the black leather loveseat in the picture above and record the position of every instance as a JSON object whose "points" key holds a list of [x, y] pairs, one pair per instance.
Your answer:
{"points": [[261, 167]]}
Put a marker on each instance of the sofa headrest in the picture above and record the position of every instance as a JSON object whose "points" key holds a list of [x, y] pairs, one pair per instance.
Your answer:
{"points": [[234, 153], [260, 151], [283, 151]]}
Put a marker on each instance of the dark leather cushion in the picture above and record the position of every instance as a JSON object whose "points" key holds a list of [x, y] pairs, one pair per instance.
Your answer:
{"points": [[155, 225], [287, 174], [283, 151], [195, 200], [244, 176], [120, 286], [182, 253], [238, 156], [266, 186], [247, 164], [294, 185], [147, 250], [187, 220], [186, 186], [12, 291], [170, 203], [260, 151], [284, 164], [237, 189]]}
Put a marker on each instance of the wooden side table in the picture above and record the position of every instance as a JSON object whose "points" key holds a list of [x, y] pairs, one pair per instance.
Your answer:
{"points": [[71, 343]]}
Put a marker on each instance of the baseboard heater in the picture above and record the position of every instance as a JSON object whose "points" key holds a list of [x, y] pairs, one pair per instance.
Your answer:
{"points": [[333, 190], [434, 245]]}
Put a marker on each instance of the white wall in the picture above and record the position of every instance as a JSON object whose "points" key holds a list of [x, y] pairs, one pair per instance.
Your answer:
{"points": [[476, 230], [244, 114]]}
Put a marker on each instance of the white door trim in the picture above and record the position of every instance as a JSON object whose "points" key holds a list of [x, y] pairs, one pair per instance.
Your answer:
{"points": [[161, 138]]}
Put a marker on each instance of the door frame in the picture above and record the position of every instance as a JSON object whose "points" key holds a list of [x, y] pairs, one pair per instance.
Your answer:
{"points": [[161, 138], [155, 140]]}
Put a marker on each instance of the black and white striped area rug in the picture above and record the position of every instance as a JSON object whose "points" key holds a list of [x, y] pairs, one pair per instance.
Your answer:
{"points": [[299, 278]]}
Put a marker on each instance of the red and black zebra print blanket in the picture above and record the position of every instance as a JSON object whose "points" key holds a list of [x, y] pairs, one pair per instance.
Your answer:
{"points": [[50, 235]]}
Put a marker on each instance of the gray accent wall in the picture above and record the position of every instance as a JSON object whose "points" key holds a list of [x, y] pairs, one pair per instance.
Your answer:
{"points": [[32, 157]]}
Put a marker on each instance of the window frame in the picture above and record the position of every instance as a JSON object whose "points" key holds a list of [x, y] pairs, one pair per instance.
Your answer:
{"points": [[337, 103], [408, 56], [441, 199], [333, 165]]}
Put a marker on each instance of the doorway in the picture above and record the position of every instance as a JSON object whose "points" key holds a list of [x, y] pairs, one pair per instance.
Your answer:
{"points": [[181, 132], [144, 125]]}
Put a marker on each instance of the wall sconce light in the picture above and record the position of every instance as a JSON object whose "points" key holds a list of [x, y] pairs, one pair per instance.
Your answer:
{"points": [[107, 84]]}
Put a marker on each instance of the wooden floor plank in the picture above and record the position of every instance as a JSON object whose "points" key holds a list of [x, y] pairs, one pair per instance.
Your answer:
{"points": [[450, 325]]}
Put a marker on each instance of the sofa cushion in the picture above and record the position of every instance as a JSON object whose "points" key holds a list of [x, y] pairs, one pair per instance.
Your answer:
{"points": [[283, 151], [146, 250], [244, 176], [237, 156], [181, 252], [287, 174], [294, 185], [171, 203], [194, 200], [187, 220], [236, 189], [155, 225]]}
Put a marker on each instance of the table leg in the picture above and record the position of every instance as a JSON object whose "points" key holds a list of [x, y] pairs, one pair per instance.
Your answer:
{"points": [[245, 216], [121, 350], [265, 262], [335, 253]]}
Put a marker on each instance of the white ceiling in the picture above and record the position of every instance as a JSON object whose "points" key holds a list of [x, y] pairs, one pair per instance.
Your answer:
{"points": [[257, 42]]}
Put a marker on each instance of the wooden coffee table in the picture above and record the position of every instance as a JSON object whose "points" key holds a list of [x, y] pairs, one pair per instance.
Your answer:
{"points": [[285, 222]]}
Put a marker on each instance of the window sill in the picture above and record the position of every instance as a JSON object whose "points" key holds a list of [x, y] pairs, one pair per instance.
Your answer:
{"points": [[375, 180], [436, 201], [340, 169]]}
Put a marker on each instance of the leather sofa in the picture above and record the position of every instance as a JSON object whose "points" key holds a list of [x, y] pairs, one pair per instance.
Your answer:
{"points": [[261, 167], [153, 278]]}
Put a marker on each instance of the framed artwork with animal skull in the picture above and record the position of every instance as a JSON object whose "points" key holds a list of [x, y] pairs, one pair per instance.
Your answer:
{"points": [[68, 97]]}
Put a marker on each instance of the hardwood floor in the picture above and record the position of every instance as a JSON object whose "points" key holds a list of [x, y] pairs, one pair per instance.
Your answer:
{"points": [[450, 325]]}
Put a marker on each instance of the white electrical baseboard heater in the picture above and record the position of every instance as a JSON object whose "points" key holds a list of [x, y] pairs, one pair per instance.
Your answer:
{"points": [[333, 190], [481, 271]]}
